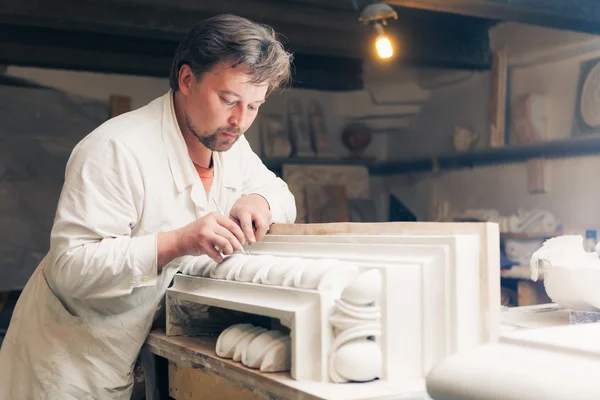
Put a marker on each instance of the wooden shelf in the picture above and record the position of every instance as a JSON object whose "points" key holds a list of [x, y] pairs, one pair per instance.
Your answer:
{"points": [[532, 236], [470, 159], [275, 164]]}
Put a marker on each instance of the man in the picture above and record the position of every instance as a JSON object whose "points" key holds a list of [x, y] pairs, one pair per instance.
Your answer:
{"points": [[141, 202]]}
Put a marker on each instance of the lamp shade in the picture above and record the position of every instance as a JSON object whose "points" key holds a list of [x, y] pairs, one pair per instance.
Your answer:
{"points": [[377, 12]]}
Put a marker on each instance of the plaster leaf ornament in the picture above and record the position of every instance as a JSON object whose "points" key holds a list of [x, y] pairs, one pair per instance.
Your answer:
{"points": [[245, 340], [293, 275], [358, 360], [338, 278], [342, 322], [200, 266], [279, 357], [310, 276], [353, 356], [229, 338], [361, 312], [208, 269], [265, 267], [229, 264], [365, 290], [247, 271], [253, 354], [278, 272]]}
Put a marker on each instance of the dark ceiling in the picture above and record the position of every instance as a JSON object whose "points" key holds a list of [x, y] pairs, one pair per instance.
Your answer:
{"points": [[139, 36]]}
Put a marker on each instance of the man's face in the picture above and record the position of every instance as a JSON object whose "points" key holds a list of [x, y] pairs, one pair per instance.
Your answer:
{"points": [[221, 105]]}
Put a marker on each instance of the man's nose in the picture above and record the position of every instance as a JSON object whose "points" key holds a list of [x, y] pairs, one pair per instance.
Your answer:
{"points": [[238, 116]]}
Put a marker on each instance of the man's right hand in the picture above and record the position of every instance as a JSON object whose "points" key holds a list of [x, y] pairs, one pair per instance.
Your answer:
{"points": [[202, 236]]}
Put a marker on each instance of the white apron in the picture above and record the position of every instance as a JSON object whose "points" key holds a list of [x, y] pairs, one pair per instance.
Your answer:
{"points": [[82, 318]]}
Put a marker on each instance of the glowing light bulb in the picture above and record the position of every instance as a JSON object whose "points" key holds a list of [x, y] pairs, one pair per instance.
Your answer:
{"points": [[384, 47]]}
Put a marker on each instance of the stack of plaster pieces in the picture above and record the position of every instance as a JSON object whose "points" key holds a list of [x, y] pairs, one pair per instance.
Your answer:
{"points": [[355, 354], [256, 347]]}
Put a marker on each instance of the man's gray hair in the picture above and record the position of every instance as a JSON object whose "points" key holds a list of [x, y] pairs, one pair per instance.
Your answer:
{"points": [[236, 40]]}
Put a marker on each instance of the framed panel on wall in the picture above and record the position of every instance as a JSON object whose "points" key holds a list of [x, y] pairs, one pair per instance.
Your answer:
{"points": [[587, 103]]}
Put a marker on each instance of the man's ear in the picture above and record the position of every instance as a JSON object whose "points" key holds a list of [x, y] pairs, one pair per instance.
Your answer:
{"points": [[186, 77]]}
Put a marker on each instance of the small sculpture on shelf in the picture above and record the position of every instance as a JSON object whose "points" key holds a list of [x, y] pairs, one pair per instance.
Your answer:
{"points": [[274, 139], [318, 130], [298, 130], [464, 139], [357, 137]]}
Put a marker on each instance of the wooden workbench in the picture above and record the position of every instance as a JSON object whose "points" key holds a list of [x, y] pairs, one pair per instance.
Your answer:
{"points": [[196, 372]]}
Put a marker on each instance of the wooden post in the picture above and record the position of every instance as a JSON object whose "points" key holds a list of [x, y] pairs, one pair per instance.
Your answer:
{"points": [[499, 90]]}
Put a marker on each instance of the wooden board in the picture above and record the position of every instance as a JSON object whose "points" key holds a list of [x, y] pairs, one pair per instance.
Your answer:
{"points": [[190, 383], [489, 255], [198, 353]]}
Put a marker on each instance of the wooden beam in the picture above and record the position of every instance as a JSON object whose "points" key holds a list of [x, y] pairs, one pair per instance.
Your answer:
{"points": [[581, 15], [262, 11], [81, 59], [48, 48], [308, 30], [140, 36]]}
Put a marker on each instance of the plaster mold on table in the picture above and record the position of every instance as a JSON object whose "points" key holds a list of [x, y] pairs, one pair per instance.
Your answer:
{"points": [[404, 302]]}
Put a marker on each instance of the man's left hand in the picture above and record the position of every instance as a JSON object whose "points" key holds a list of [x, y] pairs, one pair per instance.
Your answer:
{"points": [[252, 213]]}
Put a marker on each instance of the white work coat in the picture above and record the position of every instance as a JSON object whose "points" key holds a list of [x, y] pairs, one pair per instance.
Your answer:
{"points": [[83, 316]]}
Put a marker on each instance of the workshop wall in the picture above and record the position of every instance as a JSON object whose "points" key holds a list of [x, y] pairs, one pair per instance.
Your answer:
{"points": [[434, 102], [549, 65], [339, 107]]}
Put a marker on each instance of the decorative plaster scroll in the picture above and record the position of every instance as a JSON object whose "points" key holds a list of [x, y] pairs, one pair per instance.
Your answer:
{"points": [[428, 306], [299, 272], [354, 354]]}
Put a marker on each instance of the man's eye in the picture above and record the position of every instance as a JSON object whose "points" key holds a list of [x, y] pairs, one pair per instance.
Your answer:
{"points": [[229, 103]]}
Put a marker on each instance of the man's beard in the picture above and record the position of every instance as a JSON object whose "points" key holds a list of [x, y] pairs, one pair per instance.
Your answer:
{"points": [[213, 141]]}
